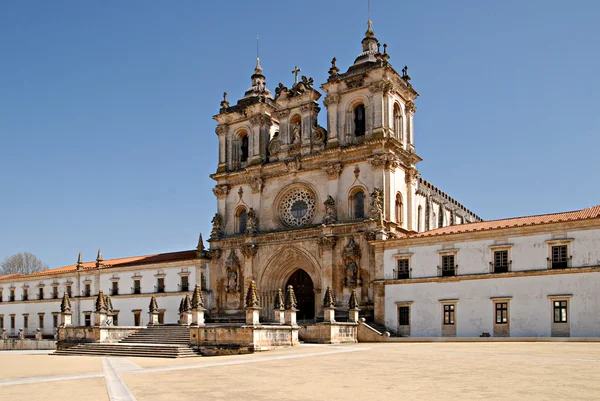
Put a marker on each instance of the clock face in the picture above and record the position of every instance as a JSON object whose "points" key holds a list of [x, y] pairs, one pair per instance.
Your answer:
{"points": [[297, 208]]}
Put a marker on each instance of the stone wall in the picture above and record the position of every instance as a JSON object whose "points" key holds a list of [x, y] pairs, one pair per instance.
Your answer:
{"points": [[20, 345], [329, 333], [73, 335]]}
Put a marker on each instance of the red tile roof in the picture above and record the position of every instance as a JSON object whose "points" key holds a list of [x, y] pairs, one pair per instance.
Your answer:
{"points": [[109, 263], [584, 214]]}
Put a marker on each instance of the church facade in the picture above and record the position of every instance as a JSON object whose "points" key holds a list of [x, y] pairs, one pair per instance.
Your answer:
{"points": [[298, 203]]}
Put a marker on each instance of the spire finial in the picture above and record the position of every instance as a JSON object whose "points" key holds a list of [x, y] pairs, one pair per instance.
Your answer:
{"points": [[99, 259], [79, 262], [257, 53], [200, 245], [295, 71], [224, 102]]}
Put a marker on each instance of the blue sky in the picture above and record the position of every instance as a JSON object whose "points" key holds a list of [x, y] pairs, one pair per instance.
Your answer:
{"points": [[106, 129]]}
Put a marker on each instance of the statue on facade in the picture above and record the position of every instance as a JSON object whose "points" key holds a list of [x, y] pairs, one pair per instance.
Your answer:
{"points": [[351, 257], [377, 205], [252, 223], [296, 137], [232, 266], [330, 211], [217, 230]]}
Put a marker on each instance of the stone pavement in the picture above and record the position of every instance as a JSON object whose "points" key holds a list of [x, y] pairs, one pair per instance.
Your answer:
{"points": [[425, 371]]}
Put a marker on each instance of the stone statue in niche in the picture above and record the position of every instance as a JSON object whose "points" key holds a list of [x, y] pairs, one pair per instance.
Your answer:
{"points": [[377, 205], [296, 137], [252, 225], [351, 257], [330, 211], [217, 230], [232, 266]]}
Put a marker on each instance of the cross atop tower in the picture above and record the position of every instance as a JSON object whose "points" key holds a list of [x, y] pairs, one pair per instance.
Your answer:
{"points": [[295, 72]]}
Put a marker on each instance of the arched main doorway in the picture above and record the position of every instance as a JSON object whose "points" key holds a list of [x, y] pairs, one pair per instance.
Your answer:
{"points": [[305, 294]]}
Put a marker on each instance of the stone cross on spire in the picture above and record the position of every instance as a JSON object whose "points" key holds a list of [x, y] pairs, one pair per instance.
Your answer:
{"points": [[295, 71]]}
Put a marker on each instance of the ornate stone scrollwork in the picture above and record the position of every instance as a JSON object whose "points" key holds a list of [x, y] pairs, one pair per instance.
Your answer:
{"points": [[410, 106], [232, 266], [222, 129], [221, 190], [411, 175], [282, 113], [392, 163], [318, 135], [370, 235], [256, 184], [256, 120], [333, 170], [330, 211], [275, 144], [293, 166], [330, 99], [249, 250], [252, 224], [351, 257], [327, 241], [356, 82], [377, 161], [215, 253], [377, 205], [217, 229]]}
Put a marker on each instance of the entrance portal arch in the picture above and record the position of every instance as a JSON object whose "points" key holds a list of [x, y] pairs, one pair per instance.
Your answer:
{"points": [[278, 272]]}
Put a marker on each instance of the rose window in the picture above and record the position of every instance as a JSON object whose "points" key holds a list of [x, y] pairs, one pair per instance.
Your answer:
{"points": [[297, 208]]}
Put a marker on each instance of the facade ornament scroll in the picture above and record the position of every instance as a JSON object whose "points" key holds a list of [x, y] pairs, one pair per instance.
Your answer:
{"points": [[293, 166], [330, 99], [256, 184], [275, 144], [232, 267], [222, 190], [330, 211], [371, 235], [377, 161], [256, 120], [252, 224], [249, 250], [351, 259], [215, 253], [333, 170], [410, 107], [318, 135], [217, 229], [282, 113], [327, 242], [222, 129], [411, 176], [392, 163]]}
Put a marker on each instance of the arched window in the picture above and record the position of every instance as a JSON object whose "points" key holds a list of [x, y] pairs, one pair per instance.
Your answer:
{"points": [[419, 214], [359, 120], [242, 220], [398, 122], [399, 208], [244, 149]]}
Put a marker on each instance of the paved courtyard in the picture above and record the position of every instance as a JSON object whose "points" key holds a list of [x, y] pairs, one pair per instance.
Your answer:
{"points": [[443, 371]]}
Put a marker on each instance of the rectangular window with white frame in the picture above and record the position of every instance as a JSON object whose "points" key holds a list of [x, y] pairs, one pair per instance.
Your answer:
{"points": [[404, 318], [501, 316], [448, 265], [560, 320], [402, 270], [448, 317], [559, 253]]}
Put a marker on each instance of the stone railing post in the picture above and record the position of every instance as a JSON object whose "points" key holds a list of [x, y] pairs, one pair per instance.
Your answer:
{"points": [[252, 305], [328, 306], [38, 334], [290, 307]]}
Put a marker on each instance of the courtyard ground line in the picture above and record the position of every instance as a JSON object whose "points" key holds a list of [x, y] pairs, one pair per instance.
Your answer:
{"points": [[508, 355], [117, 390], [135, 369]]}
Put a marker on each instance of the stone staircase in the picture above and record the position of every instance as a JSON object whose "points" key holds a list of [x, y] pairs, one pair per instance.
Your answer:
{"points": [[169, 341]]}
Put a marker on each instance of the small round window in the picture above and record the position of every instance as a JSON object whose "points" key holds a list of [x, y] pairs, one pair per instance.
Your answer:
{"points": [[297, 208]]}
